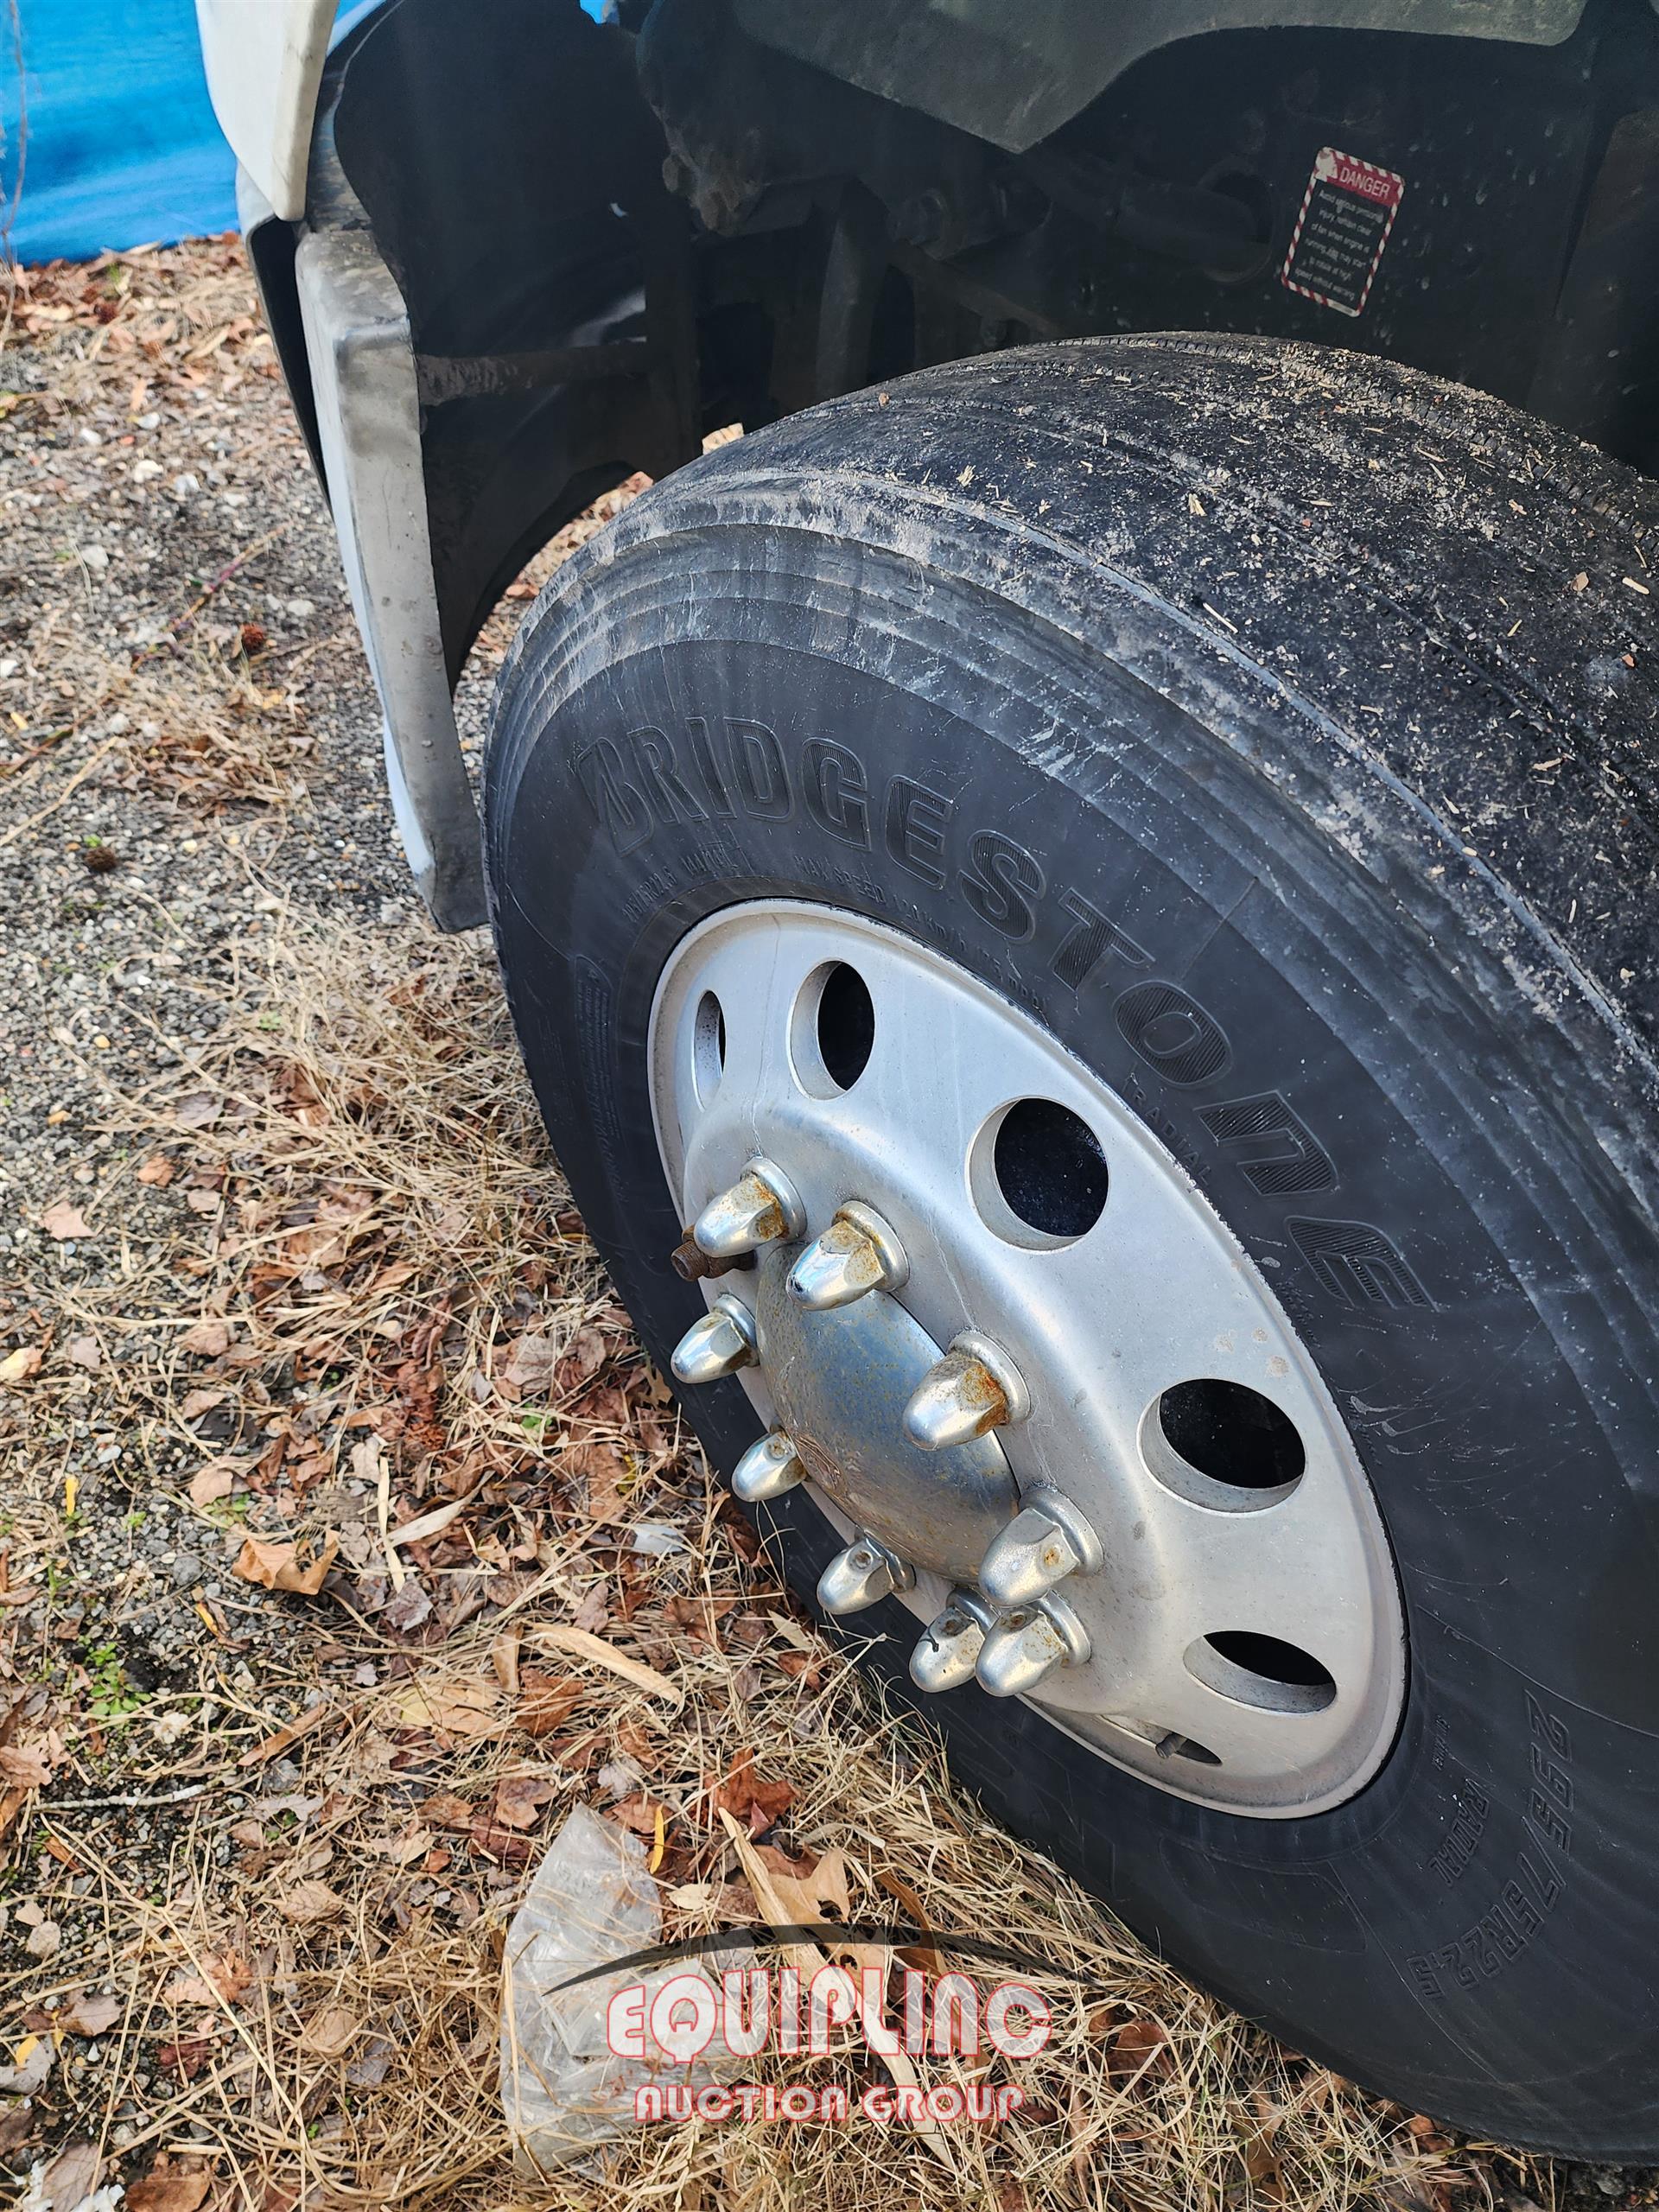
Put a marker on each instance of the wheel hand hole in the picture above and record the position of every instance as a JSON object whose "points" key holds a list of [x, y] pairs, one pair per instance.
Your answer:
{"points": [[845, 1026], [707, 1046], [832, 1030], [1232, 1434], [1261, 1670], [1176, 1746], [1048, 1168]]}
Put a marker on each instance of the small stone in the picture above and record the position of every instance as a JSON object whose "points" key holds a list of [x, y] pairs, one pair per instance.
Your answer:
{"points": [[42, 1942], [301, 609], [185, 1569]]}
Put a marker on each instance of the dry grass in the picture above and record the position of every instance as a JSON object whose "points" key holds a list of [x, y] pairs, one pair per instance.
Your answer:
{"points": [[308, 1973], [198, 710], [142, 323], [279, 1884]]}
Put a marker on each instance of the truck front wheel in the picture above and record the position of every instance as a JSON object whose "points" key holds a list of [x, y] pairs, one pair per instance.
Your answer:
{"points": [[1112, 885]]}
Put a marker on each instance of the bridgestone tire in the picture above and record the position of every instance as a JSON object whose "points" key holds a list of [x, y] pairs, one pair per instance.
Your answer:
{"points": [[1331, 686]]}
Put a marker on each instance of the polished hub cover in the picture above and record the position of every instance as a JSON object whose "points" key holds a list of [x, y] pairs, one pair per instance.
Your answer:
{"points": [[991, 1327], [841, 1381]]}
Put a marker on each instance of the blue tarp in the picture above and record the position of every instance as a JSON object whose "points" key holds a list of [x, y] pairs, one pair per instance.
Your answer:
{"points": [[118, 140], [118, 143]]}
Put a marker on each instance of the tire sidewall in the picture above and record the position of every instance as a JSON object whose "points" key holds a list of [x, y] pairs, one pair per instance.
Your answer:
{"points": [[849, 740]]}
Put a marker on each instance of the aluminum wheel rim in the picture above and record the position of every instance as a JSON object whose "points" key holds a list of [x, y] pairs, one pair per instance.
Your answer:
{"points": [[1150, 1323]]}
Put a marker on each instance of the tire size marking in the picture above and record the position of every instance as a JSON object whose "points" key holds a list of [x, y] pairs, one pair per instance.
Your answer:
{"points": [[1550, 1799], [1455, 1854], [1503, 1933], [716, 769]]}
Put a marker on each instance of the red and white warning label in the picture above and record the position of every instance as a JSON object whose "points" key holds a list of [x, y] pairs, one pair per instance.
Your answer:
{"points": [[1348, 211]]}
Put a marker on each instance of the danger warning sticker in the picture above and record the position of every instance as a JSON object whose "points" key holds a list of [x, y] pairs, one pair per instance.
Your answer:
{"points": [[1347, 213]]}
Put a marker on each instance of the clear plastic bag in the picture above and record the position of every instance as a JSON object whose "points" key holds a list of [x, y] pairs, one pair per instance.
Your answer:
{"points": [[565, 2094]]}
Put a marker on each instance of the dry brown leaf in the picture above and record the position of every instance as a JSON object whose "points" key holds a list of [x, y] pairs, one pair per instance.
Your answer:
{"points": [[198, 1111], [70, 2179], [209, 1338], [503, 1657], [595, 1610], [189, 1993], [519, 1799], [17, 1366], [545, 1701], [91, 2013], [83, 1351], [459, 1708], [64, 1220], [330, 2032], [168, 2188], [26, 2075], [281, 1566], [733, 1903], [197, 1403], [796, 1900], [427, 1525], [1138, 2046], [216, 1480], [639, 1814], [443, 1810], [307, 1903], [792, 1901], [603, 1470], [406, 1608], [229, 1973], [24, 1766], [185, 2056], [403, 1850], [529, 1363], [158, 1170], [758, 1804], [585, 1355]]}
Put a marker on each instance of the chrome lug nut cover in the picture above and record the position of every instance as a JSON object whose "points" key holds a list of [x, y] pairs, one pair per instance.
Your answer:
{"points": [[1024, 1646], [718, 1345], [857, 1254], [861, 1575], [761, 1207], [974, 1388], [948, 1650], [767, 1469], [1047, 1539]]}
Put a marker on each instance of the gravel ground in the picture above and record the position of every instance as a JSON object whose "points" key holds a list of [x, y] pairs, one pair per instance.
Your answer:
{"points": [[281, 1259]]}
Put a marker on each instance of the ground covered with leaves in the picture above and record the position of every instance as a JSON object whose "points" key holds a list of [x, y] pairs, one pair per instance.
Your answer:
{"points": [[347, 1539]]}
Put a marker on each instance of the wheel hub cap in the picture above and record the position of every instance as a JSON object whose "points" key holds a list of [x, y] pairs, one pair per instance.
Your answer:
{"points": [[840, 1381], [1163, 1539]]}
